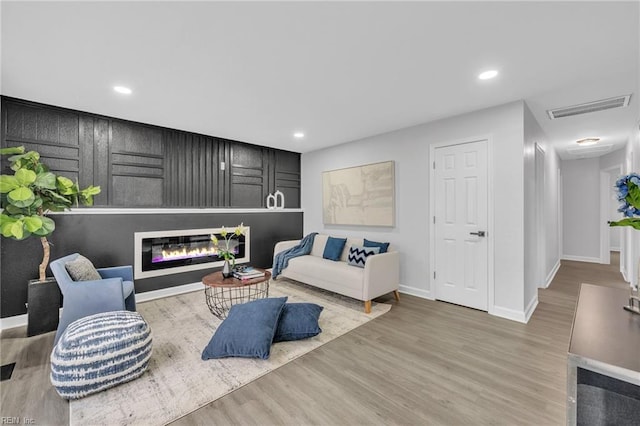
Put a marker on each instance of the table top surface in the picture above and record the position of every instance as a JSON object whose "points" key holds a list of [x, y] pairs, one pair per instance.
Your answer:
{"points": [[217, 280], [603, 331]]}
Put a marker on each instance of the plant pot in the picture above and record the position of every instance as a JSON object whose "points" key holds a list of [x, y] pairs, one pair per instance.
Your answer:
{"points": [[43, 306]]}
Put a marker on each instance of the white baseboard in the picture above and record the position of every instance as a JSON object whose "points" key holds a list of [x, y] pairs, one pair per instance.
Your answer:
{"points": [[21, 320], [614, 248], [13, 322], [413, 291], [552, 274], [581, 258], [623, 271], [166, 292], [531, 308], [507, 313]]}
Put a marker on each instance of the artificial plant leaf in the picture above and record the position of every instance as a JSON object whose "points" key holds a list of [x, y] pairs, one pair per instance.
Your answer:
{"points": [[17, 229], [57, 198], [5, 218], [25, 177], [46, 180], [11, 150], [633, 196], [21, 197], [5, 229], [63, 182], [48, 226], [633, 222], [13, 210], [8, 183], [32, 223]]}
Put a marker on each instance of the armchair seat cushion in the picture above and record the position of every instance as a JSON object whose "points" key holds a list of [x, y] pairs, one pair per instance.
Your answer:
{"points": [[127, 288]]}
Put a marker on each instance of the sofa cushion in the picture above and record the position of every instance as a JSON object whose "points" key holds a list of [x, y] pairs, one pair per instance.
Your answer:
{"points": [[358, 255], [298, 321], [334, 247], [248, 330], [81, 269], [319, 242], [340, 273], [383, 246], [351, 241]]}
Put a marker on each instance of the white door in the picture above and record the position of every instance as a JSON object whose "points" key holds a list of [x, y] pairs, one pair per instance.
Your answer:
{"points": [[461, 224]]}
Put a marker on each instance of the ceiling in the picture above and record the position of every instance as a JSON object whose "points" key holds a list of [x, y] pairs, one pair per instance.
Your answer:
{"points": [[337, 71]]}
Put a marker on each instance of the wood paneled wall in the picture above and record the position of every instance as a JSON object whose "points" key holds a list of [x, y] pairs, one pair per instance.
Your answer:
{"points": [[139, 165]]}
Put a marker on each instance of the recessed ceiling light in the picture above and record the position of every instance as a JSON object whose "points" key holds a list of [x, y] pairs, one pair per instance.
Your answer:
{"points": [[298, 135], [122, 89], [487, 74], [587, 141]]}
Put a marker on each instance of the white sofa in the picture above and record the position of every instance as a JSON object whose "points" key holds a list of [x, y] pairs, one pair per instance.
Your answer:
{"points": [[380, 275]]}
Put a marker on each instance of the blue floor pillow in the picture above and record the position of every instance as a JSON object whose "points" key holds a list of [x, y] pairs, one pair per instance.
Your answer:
{"points": [[298, 321], [248, 330]]}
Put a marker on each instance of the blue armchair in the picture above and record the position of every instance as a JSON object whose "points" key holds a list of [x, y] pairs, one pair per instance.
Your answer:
{"points": [[114, 292]]}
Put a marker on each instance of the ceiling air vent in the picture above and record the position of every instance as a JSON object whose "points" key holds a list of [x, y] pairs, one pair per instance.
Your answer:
{"points": [[595, 149], [617, 102]]}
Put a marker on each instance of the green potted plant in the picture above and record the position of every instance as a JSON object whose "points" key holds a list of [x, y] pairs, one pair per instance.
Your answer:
{"points": [[628, 194], [226, 247], [30, 193]]}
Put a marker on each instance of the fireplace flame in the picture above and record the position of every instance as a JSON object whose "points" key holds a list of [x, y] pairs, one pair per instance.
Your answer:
{"points": [[183, 253]]}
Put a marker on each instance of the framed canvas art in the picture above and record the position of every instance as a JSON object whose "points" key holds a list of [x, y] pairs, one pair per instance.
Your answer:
{"points": [[362, 195]]}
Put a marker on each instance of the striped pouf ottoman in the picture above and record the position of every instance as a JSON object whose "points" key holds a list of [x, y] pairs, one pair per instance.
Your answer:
{"points": [[100, 351]]}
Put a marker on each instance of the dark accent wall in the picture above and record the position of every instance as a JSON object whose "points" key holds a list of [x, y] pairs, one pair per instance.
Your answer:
{"points": [[139, 165], [107, 239]]}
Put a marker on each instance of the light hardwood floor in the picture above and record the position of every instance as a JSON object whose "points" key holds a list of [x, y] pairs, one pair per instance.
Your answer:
{"points": [[424, 362]]}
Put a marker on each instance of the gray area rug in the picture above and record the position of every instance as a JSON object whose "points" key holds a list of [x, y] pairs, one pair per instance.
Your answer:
{"points": [[178, 382]]}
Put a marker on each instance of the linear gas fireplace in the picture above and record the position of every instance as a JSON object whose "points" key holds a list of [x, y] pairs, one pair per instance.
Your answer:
{"points": [[170, 252]]}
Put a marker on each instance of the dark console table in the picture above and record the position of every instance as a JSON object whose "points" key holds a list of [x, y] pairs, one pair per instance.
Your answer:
{"points": [[603, 366]]}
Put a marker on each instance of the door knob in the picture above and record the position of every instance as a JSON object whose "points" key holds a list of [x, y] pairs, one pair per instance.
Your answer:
{"points": [[479, 233]]}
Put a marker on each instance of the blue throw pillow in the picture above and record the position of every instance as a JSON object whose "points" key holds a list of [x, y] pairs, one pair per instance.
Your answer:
{"points": [[383, 246], [248, 330], [298, 321], [358, 255], [333, 248]]}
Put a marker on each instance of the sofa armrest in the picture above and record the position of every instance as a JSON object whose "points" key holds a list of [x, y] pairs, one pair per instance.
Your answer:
{"points": [[284, 245], [381, 274]]}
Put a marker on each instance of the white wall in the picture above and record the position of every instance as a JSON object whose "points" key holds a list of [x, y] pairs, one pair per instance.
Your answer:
{"points": [[539, 271], [409, 148], [631, 237], [581, 209], [532, 133], [615, 231]]}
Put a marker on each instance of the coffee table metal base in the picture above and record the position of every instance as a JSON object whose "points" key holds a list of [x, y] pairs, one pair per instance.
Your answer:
{"points": [[221, 299]]}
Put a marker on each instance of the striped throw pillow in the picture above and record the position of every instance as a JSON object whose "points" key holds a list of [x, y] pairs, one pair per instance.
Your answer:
{"points": [[100, 351], [358, 255]]}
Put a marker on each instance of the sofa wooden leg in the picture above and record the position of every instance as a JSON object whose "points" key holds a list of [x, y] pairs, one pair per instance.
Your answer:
{"points": [[367, 306], [396, 294]]}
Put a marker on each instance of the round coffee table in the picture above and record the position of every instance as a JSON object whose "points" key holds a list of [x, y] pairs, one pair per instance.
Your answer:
{"points": [[222, 293]]}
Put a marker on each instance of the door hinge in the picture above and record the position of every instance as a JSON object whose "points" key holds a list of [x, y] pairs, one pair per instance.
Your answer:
{"points": [[434, 219], [434, 275], [434, 165]]}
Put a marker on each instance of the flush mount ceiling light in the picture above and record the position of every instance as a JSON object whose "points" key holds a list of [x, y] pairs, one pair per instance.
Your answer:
{"points": [[587, 141], [486, 75], [298, 135], [122, 89]]}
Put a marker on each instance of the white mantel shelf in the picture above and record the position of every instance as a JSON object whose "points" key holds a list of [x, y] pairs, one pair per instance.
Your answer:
{"points": [[102, 210]]}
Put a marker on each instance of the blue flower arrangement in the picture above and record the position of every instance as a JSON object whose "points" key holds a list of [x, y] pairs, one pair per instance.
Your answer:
{"points": [[628, 188]]}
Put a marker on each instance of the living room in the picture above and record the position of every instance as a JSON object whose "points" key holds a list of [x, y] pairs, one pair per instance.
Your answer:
{"points": [[218, 90]]}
